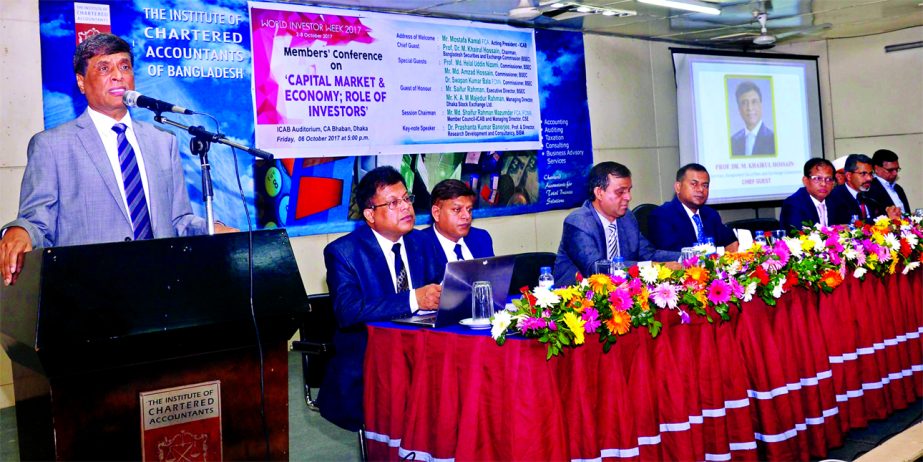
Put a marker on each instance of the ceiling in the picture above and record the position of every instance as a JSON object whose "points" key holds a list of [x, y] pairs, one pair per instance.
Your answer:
{"points": [[735, 27]]}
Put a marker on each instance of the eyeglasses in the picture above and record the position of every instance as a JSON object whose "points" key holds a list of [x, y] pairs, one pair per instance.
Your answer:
{"points": [[393, 205], [861, 173], [817, 179], [892, 170]]}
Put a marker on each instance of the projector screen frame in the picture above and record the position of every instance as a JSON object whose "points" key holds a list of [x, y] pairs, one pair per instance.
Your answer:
{"points": [[815, 127]]}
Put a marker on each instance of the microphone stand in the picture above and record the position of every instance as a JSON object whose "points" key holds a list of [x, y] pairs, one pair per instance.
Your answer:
{"points": [[199, 145]]}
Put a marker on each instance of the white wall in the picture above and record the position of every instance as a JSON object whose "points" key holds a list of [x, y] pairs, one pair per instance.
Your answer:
{"points": [[871, 100]]}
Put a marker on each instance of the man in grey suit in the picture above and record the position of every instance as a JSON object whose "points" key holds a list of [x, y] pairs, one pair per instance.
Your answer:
{"points": [[603, 228], [81, 183]]}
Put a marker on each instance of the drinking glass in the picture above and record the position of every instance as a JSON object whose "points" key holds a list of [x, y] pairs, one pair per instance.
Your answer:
{"points": [[602, 266], [482, 301], [918, 212], [688, 253]]}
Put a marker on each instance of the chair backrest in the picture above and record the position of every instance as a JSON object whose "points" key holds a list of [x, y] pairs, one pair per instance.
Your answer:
{"points": [[641, 213], [320, 323], [526, 269], [754, 224]]}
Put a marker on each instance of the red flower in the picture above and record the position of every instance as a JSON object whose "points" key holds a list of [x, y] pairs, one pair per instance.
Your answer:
{"points": [[634, 271], [579, 277], [760, 274], [791, 280], [529, 297], [905, 248]]}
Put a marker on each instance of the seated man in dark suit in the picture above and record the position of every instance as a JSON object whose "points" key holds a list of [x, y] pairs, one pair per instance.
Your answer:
{"points": [[885, 189], [756, 137], [852, 198], [452, 236], [810, 204], [686, 220], [603, 228], [383, 270]]}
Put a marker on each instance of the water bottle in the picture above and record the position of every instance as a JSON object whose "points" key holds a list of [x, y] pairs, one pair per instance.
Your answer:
{"points": [[760, 238], [852, 222], [545, 278], [710, 246], [618, 266]]}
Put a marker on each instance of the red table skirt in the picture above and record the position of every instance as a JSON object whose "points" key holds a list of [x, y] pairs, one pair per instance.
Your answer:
{"points": [[774, 383]]}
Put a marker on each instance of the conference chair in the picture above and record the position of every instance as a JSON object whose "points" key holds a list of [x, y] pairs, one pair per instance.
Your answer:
{"points": [[526, 268], [641, 212], [316, 343]]}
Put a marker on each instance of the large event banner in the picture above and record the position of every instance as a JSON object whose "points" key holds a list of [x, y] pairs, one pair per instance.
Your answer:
{"points": [[329, 82], [501, 108]]}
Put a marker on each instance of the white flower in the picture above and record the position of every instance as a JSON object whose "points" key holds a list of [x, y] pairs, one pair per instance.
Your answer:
{"points": [[733, 268], [750, 290], [649, 274], [911, 239], [500, 323], [584, 283], [910, 267], [545, 298], [892, 241], [777, 290], [794, 246], [620, 273], [849, 254], [859, 272], [819, 244]]}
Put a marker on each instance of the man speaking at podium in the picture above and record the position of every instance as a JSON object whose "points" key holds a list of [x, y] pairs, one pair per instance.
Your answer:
{"points": [[101, 177]]}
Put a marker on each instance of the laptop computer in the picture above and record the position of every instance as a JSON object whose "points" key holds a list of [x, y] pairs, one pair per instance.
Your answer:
{"points": [[455, 302]]}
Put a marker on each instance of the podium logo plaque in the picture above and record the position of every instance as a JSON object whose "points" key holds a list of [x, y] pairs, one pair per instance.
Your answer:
{"points": [[182, 424]]}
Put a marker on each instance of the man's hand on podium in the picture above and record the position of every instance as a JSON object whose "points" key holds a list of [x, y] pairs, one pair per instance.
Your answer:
{"points": [[16, 242], [221, 228], [428, 296]]}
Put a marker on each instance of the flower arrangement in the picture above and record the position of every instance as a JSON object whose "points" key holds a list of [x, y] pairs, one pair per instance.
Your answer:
{"points": [[609, 306]]}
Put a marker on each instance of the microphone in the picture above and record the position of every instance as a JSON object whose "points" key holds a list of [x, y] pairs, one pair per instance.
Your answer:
{"points": [[132, 98]]}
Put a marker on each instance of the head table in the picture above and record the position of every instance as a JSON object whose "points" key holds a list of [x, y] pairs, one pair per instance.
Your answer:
{"points": [[773, 383]]}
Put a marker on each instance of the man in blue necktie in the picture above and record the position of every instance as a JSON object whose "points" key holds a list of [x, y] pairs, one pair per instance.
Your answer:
{"points": [[381, 271], [885, 189], [103, 176], [686, 220], [452, 235], [755, 138]]}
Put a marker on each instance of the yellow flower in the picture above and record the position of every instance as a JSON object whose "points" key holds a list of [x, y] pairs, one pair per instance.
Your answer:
{"points": [[644, 298], [878, 237], [663, 273], [567, 293], [806, 244], [600, 283], [575, 325], [620, 323], [701, 297], [697, 274], [893, 262], [882, 223]]}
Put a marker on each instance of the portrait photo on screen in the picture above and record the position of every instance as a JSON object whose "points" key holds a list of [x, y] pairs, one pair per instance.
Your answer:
{"points": [[751, 119]]}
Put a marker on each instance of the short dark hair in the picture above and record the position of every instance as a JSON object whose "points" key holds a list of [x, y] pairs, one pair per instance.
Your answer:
{"points": [[746, 86], [99, 45], [813, 162], [681, 173], [884, 155], [374, 180], [450, 189], [599, 176], [854, 159]]}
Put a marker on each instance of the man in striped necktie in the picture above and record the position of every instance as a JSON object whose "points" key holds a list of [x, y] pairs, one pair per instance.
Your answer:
{"points": [[452, 235], [103, 176]]}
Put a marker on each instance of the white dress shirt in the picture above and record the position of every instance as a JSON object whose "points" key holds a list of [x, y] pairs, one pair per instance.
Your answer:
{"points": [[386, 246], [889, 187], [448, 247], [824, 217], [110, 143], [751, 137]]}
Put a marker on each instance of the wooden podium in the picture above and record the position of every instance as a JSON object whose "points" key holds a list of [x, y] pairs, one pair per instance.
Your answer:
{"points": [[90, 327]]}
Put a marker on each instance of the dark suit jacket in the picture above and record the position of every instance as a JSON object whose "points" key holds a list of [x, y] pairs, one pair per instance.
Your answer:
{"points": [[799, 208], [362, 291], [583, 242], [70, 195], [880, 194], [765, 142], [845, 206], [669, 228], [478, 241]]}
